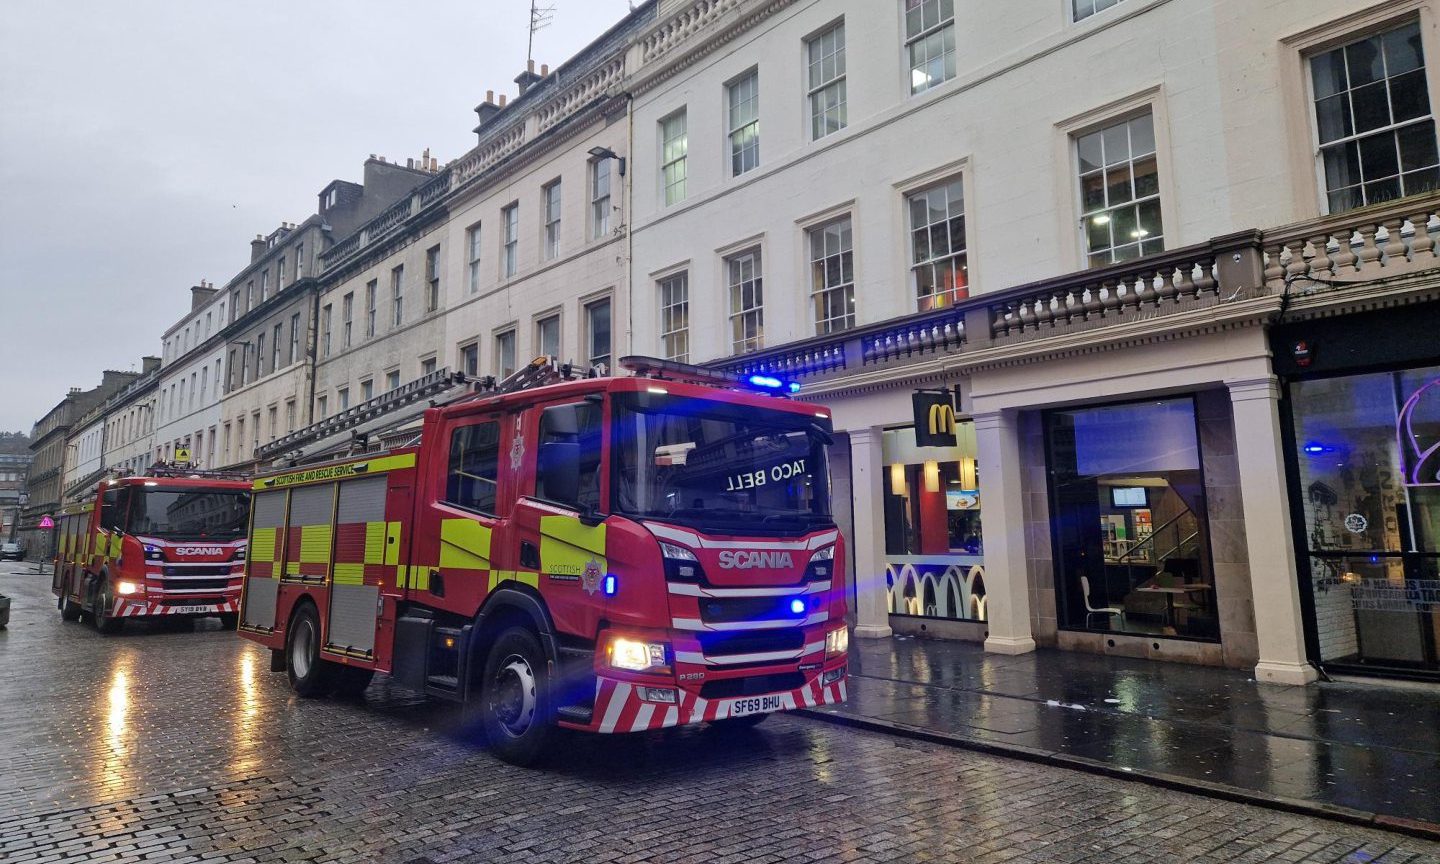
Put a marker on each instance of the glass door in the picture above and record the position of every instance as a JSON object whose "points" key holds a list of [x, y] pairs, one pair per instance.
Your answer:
{"points": [[1366, 448]]}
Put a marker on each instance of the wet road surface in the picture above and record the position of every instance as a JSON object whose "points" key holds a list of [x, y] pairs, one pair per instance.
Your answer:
{"points": [[1362, 746], [159, 745]]}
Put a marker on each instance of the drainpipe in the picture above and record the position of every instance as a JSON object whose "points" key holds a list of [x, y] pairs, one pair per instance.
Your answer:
{"points": [[311, 353], [629, 228]]}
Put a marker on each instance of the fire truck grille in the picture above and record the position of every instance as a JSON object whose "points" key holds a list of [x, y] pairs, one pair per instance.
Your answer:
{"points": [[753, 685], [195, 584], [725, 610], [751, 641], [221, 569]]}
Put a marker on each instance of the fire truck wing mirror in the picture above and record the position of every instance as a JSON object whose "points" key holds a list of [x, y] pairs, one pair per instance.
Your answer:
{"points": [[822, 433]]}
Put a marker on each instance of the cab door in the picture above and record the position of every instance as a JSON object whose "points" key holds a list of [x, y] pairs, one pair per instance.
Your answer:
{"points": [[559, 536], [464, 514]]}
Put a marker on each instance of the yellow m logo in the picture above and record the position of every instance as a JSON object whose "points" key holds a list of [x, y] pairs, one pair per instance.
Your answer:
{"points": [[942, 419]]}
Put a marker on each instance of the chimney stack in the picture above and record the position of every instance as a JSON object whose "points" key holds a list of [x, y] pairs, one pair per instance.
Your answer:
{"points": [[257, 248], [544, 70], [527, 78]]}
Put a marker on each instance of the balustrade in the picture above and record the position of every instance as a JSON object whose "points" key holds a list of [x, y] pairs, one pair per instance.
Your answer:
{"points": [[1370, 244]]}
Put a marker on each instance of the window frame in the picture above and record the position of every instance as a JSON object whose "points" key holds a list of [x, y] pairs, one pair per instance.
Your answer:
{"points": [[432, 278], [507, 335], [667, 333], [347, 312], [599, 204], [472, 423], [909, 43], [510, 240], [588, 308], [473, 239], [397, 296], [924, 186], [817, 294], [812, 91], [1392, 128], [551, 210], [669, 183], [732, 130], [541, 320], [736, 315]]}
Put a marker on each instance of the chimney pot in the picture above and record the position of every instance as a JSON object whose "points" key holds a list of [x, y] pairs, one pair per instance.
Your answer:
{"points": [[502, 100], [489, 95], [530, 66], [544, 70]]}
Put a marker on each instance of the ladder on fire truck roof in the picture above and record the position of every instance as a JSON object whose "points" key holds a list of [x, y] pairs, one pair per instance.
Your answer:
{"points": [[386, 417]]}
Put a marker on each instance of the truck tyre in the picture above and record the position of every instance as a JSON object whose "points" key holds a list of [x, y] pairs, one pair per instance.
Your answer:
{"points": [[351, 681], [104, 602], [229, 620], [515, 708], [310, 676], [69, 611]]}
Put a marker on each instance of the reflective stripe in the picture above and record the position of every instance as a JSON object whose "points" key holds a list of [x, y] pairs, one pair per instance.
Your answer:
{"points": [[359, 467], [464, 544], [618, 698], [690, 590], [697, 624], [642, 717]]}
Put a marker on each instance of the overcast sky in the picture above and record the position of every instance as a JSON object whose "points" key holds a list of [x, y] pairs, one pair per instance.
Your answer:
{"points": [[144, 143]]}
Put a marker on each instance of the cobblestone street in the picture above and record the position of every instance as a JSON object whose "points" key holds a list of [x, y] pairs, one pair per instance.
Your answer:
{"points": [[171, 745]]}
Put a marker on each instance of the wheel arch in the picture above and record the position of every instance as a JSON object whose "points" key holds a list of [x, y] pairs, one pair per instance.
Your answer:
{"points": [[511, 605]]}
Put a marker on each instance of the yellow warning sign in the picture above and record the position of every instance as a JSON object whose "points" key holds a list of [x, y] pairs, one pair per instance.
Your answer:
{"points": [[182, 455]]}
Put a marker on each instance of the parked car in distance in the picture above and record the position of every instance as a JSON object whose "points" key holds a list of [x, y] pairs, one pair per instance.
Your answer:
{"points": [[11, 552]]}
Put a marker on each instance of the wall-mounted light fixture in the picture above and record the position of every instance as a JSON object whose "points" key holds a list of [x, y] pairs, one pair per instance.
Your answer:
{"points": [[598, 153]]}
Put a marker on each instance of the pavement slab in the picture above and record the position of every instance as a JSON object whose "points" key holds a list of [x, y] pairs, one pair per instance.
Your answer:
{"points": [[169, 746]]}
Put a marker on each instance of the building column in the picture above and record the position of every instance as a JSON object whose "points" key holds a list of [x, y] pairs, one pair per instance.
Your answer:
{"points": [[1002, 527], [1274, 582], [867, 472]]}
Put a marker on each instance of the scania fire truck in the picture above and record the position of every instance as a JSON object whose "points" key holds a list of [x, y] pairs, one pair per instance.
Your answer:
{"points": [[171, 544], [607, 554]]}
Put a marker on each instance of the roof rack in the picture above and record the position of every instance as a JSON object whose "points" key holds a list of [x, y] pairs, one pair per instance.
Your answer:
{"points": [[172, 470], [378, 420]]}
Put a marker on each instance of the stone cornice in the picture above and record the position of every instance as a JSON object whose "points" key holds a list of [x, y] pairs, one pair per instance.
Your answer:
{"points": [[716, 21]]}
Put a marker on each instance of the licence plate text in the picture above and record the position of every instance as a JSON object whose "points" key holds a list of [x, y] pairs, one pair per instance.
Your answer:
{"points": [[756, 705], [189, 610]]}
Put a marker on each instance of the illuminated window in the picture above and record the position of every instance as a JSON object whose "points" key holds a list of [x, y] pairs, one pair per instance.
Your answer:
{"points": [[938, 269], [930, 42], [832, 277], [743, 95], [1120, 191], [675, 317], [747, 302]]}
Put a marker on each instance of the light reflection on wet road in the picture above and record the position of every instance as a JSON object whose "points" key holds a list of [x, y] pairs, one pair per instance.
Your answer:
{"points": [[157, 742]]}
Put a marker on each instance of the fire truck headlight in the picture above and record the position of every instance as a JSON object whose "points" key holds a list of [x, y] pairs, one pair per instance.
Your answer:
{"points": [[837, 643], [153, 553], [127, 588], [634, 655], [239, 554], [676, 553]]}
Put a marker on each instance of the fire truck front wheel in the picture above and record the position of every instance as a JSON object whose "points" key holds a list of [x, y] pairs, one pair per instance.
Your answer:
{"points": [[515, 708], [309, 675], [105, 622]]}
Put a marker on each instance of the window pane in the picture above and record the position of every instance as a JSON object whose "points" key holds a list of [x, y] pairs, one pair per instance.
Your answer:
{"points": [[1402, 50], [1371, 110], [1327, 73], [1117, 143], [1378, 158], [1147, 177], [1409, 97], [1417, 146], [1332, 116], [1117, 185], [1090, 153], [1363, 61], [1342, 165], [1142, 135], [1092, 191]]}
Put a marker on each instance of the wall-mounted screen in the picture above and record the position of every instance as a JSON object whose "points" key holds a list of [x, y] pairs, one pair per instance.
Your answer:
{"points": [[1129, 496]]}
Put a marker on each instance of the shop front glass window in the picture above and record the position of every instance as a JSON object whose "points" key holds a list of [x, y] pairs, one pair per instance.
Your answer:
{"points": [[1128, 517], [933, 554], [1367, 452]]}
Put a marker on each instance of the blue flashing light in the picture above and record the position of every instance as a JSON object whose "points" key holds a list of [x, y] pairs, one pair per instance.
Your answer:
{"points": [[1315, 448], [766, 381], [611, 585], [797, 606], [794, 386]]}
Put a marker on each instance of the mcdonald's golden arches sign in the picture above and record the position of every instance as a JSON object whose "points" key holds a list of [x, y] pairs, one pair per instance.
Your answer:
{"points": [[934, 418]]}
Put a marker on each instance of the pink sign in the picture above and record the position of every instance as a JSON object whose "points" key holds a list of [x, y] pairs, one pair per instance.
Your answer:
{"points": [[46, 522], [1419, 436]]}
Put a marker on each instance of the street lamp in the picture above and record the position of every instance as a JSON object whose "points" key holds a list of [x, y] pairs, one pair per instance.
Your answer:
{"points": [[598, 152]]}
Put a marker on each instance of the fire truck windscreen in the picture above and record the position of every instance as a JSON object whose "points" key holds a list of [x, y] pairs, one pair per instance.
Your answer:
{"points": [[183, 514], [720, 466]]}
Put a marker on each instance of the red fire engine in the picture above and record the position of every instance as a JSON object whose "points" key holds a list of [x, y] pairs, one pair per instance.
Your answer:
{"points": [[169, 544], [603, 554]]}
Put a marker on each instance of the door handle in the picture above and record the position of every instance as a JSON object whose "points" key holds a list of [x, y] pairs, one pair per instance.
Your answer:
{"points": [[529, 555]]}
